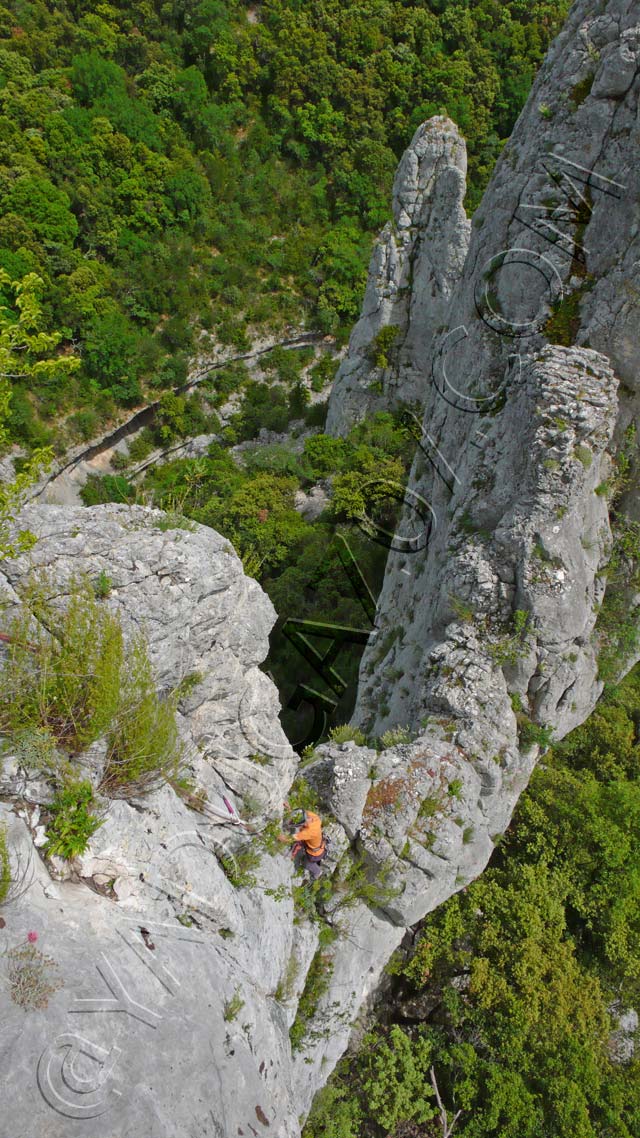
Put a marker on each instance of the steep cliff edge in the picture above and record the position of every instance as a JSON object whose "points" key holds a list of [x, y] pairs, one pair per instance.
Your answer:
{"points": [[550, 289], [415, 265], [181, 983]]}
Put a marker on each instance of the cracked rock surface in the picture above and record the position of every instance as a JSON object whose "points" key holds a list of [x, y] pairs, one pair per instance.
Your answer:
{"points": [[415, 264], [532, 382]]}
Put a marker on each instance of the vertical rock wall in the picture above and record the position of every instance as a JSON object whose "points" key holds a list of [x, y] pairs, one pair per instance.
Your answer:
{"points": [[416, 262], [550, 293]]}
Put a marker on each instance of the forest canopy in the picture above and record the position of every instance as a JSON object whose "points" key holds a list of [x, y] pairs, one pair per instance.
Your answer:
{"points": [[168, 168]]}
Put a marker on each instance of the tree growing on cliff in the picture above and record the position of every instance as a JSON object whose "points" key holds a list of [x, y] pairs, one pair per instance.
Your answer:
{"points": [[26, 355]]}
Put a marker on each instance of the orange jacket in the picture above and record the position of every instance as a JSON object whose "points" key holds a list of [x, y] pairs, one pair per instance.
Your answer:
{"points": [[310, 834]]}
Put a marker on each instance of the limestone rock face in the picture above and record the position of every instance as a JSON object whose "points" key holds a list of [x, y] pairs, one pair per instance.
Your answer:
{"points": [[541, 329], [186, 589], [415, 264], [149, 927], [522, 531], [179, 973]]}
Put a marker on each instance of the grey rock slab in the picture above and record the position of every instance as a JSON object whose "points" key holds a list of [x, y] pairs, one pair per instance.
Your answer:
{"points": [[414, 266]]}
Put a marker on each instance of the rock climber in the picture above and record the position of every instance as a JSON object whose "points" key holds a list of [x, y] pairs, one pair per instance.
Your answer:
{"points": [[307, 836]]}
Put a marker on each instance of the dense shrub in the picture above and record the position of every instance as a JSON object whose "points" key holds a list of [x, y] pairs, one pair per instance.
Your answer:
{"points": [[65, 682], [72, 822], [143, 743], [63, 674]]}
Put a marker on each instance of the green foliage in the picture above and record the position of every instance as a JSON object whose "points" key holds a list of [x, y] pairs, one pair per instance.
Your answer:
{"points": [[106, 488], [326, 455], [232, 1007], [358, 881], [63, 675], [335, 1114], [316, 984], [304, 902], [299, 564], [25, 359], [302, 795], [260, 518], [286, 985], [66, 681], [239, 867], [269, 837], [371, 490], [345, 734], [584, 455], [563, 325], [384, 1085], [521, 969], [140, 447], [102, 585], [143, 743], [394, 1074], [264, 405], [617, 630], [72, 822], [164, 171], [381, 350], [467, 525], [323, 372], [35, 748], [395, 737], [429, 806], [173, 519], [608, 743], [32, 977], [533, 734], [170, 417], [462, 610], [624, 464], [5, 865], [581, 89], [261, 760], [507, 649]]}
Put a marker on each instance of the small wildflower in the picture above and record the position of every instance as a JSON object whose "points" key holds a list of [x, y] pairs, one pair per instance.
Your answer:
{"points": [[32, 937]]}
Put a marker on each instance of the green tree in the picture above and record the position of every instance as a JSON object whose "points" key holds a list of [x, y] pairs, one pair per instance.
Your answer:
{"points": [[26, 356], [261, 521], [45, 208]]}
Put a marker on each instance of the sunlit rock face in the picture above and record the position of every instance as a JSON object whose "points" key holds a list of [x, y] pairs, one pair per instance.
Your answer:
{"points": [[415, 265]]}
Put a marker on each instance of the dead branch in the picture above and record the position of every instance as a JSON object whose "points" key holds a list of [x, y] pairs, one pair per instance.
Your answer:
{"points": [[22, 876], [447, 1127]]}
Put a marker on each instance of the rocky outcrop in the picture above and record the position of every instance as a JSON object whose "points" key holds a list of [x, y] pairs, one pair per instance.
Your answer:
{"points": [[173, 1060], [540, 329], [180, 972], [505, 591], [197, 978], [415, 264]]}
